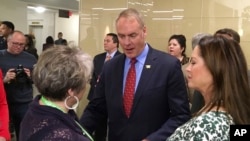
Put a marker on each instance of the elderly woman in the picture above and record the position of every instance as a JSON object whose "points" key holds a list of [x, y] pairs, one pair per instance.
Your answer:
{"points": [[214, 69], [60, 75]]}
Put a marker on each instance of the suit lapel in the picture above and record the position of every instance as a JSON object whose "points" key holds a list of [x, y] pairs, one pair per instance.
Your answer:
{"points": [[117, 53], [117, 83], [147, 71], [100, 63]]}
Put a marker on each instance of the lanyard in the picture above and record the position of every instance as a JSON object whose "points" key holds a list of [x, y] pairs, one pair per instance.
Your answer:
{"points": [[84, 132], [51, 104]]}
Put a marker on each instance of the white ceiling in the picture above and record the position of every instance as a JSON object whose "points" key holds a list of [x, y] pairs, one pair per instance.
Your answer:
{"points": [[55, 4]]}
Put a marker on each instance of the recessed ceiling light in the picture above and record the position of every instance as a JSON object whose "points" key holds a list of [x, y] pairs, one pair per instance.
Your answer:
{"points": [[40, 9]]}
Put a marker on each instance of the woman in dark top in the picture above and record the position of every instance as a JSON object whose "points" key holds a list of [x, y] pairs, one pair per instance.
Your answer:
{"points": [[60, 75], [177, 48], [49, 43], [30, 46]]}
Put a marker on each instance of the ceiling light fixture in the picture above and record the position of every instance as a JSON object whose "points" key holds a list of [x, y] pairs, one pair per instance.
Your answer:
{"points": [[37, 9], [40, 9]]}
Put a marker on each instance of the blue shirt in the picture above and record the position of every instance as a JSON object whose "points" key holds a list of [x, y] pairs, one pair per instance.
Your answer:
{"points": [[138, 66]]}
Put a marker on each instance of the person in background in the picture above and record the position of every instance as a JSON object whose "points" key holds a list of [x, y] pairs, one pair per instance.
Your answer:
{"points": [[59, 41], [111, 45], [198, 101], [4, 118], [33, 38], [6, 28], [61, 76], [214, 69], [17, 65], [30, 47], [64, 42], [141, 93], [229, 33], [49, 43], [177, 48]]}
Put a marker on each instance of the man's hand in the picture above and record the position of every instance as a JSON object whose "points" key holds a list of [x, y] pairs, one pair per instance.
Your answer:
{"points": [[10, 74], [27, 71]]}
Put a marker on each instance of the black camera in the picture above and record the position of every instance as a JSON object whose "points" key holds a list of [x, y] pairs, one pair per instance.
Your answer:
{"points": [[21, 76]]}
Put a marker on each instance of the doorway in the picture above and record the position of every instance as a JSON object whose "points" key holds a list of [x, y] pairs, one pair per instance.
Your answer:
{"points": [[37, 31]]}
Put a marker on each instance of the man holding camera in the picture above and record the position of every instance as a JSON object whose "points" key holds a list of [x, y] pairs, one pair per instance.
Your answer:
{"points": [[17, 65]]}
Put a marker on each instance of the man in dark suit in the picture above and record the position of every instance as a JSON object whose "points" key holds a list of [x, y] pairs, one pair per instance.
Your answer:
{"points": [[59, 41], [160, 100], [111, 45]]}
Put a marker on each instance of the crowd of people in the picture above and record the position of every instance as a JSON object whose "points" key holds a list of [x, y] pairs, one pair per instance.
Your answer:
{"points": [[137, 94]]}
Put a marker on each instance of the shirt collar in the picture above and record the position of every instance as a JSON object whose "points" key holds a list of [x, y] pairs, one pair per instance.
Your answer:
{"points": [[112, 54]]}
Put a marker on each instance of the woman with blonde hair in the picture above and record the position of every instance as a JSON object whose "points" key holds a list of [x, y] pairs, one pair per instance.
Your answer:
{"points": [[217, 69]]}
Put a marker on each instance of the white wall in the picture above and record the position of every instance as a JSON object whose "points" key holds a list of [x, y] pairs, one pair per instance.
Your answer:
{"points": [[68, 26], [46, 21], [16, 12], [52, 24]]}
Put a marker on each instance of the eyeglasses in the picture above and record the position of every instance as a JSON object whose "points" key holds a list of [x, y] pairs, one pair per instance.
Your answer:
{"points": [[18, 44]]}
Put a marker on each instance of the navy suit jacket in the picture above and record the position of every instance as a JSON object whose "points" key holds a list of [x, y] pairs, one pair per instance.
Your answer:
{"points": [[98, 65], [160, 103]]}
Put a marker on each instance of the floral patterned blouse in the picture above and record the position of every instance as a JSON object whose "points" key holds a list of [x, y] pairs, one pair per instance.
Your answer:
{"points": [[210, 126]]}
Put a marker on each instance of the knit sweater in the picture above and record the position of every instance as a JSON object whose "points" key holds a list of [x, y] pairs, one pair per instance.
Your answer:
{"points": [[17, 92], [44, 123]]}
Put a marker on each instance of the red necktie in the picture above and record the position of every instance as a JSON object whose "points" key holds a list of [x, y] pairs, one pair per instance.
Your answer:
{"points": [[129, 88]]}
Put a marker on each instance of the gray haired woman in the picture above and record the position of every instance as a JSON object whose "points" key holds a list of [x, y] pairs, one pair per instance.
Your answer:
{"points": [[60, 75]]}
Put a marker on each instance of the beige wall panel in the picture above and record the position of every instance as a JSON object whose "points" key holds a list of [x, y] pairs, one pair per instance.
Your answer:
{"points": [[213, 24], [160, 31], [212, 8], [193, 8]]}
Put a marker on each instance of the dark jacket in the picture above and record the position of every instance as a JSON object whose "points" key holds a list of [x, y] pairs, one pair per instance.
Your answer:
{"points": [[98, 64], [46, 123], [32, 51], [160, 103], [3, 43]]}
